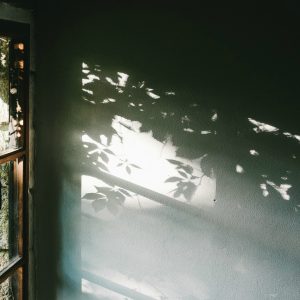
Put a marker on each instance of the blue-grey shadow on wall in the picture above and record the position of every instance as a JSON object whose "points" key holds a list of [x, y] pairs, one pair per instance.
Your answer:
{"points": [[153, 157]]}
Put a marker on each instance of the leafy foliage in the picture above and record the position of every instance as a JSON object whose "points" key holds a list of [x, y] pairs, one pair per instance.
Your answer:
{"points": [[127, 165], [196, 129], [111, 198], [100, 154], [185, 184], [4, 42], [5, 291]]}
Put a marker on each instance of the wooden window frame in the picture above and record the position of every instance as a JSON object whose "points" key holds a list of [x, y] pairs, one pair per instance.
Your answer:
{"points": [[20, 157]]}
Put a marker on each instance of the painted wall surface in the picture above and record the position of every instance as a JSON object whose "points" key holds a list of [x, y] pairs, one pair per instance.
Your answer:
{"points": [[167, 159]]}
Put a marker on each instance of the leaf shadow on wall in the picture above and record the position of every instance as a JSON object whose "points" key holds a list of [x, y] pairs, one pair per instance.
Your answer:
{"points": [[147, 152]]}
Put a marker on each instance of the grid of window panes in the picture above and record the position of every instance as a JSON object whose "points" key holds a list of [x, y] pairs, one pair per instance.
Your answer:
{"points": [[12, 157]]}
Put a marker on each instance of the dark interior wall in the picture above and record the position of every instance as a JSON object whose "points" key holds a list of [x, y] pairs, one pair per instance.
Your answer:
{"points": [[28, 4], [241, 64]]}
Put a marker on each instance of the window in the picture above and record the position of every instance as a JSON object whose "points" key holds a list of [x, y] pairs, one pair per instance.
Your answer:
{"points": [[14, 63]]}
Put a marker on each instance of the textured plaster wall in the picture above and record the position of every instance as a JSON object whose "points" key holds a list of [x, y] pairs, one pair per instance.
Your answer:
{"points": [[204, 89]]}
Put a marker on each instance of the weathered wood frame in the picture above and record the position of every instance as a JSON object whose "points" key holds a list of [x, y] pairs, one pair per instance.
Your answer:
{"points": [[19, 265]]}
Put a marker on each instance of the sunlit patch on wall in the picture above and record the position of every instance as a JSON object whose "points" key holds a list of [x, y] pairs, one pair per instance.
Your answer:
{"points": [[253, 152], [152, 95], [108, 100], [239, 169], [94, 290], [88, 91], [113, 285], [89, 79], [136, 154], [140, 287], [294, 136], [262, 127], [205, 131], [170, 93], [138, 157], [282, 188], [142, 126], [214, 117], [188, 129]]}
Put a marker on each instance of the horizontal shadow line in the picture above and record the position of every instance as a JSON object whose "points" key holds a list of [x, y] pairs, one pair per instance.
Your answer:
{"points": [[115, 287]]}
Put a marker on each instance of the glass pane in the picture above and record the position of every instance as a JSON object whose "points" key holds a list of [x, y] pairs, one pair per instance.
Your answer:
{"points": [[8, 214], [11, 95], [9, 289]]}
